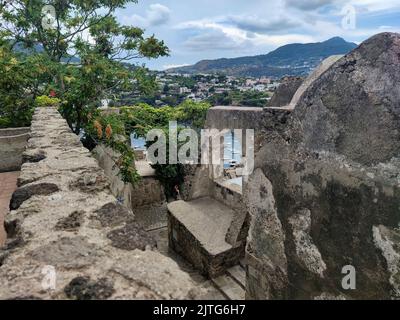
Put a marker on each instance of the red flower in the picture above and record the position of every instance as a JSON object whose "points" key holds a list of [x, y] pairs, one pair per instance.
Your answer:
{"points": [[53, 93]]}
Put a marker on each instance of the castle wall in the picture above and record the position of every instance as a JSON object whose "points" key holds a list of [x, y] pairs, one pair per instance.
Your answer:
{"points": [[69, 238]]}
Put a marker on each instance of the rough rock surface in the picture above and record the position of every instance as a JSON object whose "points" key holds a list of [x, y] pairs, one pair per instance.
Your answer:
{"points": [[285, 92], [353, 108], [68, 224], [326, 192]]}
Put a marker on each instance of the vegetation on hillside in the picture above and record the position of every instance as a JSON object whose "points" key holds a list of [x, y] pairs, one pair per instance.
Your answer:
{"points": [[239, 98], [289, 60]]}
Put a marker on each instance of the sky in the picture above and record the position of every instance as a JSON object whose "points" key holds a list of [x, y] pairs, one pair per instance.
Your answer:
{"points": [[209, 29]]}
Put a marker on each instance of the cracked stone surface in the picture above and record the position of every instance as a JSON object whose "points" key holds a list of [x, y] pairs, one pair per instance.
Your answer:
{"points": [[63, 217]]}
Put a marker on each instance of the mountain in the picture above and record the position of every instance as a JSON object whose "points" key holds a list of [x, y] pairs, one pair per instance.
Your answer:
{"points": [[38, 48], [293, 59]]}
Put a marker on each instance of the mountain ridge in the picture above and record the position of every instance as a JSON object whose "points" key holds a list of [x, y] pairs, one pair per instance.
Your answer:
{"points": [[294, 59]]}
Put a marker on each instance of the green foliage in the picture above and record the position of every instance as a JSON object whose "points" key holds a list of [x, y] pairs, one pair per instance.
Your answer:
{"points": [[170, 176], [20, 79], [187, 82], [192, 114], [80, 71], [59, 58], [110, 131], [142, 118], [235, 97], [45, 101]]}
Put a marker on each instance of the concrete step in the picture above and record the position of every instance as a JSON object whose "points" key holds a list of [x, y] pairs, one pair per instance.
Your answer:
{"points": [[229, 287], [238, 274]]}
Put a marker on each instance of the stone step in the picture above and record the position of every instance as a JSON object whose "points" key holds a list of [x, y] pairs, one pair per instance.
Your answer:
{"points": [[238, 274], [229, 287]]}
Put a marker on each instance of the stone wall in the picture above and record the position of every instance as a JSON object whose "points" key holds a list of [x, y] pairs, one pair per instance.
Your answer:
{"points": [[232, 197], [68, 236], [326, 190], [12, 144], [146, 198], [148, 191], [197, 182], [229, 117]]}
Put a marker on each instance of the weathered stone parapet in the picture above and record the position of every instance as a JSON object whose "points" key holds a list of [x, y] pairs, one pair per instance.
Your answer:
{"points": [[68, 236], [12, 145], [230, 117], [326, 194]]}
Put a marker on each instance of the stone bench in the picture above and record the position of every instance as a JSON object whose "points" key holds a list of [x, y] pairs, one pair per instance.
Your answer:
{"points": [[197, 230]]}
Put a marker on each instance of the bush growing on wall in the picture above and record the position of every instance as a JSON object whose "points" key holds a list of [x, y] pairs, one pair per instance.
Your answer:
{"points": [[142, 118]]}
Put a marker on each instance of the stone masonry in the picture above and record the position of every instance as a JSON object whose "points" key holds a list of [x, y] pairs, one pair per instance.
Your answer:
{"points": [[146, 198], [325, 192], [68, 238]]}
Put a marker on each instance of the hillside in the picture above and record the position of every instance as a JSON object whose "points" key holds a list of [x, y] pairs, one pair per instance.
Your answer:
{"points": [[292, 59], [38, 48]]}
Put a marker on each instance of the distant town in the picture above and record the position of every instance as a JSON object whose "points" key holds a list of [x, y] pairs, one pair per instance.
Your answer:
{"points": [[174, 88]]}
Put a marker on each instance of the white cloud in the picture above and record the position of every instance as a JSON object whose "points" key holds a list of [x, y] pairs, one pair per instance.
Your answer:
{"points": [[172, 66], [217, 40], [156, 15], [253, 23], [212, 35], [376, 5]]}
